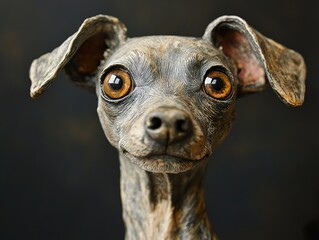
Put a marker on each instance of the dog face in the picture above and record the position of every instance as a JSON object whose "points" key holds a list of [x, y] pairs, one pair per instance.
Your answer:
{"points": [[166, 102], [173, 114]]}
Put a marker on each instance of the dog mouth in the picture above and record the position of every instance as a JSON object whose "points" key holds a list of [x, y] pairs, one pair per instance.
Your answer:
{"points": [[163, 163]]}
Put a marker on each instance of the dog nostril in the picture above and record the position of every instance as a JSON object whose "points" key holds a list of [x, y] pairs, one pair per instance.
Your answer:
{"points": [[154, 123], [182, 125]]}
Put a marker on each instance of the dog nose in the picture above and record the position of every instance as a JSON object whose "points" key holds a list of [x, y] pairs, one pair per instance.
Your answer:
{"points": [[168, 125]]}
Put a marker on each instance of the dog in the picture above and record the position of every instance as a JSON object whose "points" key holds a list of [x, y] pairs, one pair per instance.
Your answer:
{"points": [[166, 103]]}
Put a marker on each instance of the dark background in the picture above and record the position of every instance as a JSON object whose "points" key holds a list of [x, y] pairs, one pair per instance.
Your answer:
{"points": [[59, 177]]}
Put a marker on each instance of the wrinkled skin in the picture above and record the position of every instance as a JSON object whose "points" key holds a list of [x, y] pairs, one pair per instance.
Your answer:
{"points": [[152, 63]]}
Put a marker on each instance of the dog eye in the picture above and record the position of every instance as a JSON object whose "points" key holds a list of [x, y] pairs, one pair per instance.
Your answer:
{"points": [[217, 84], [117, 84]]}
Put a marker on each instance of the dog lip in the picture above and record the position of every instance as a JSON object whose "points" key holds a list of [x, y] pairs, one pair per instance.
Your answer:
{"points": [[163, 156], [163, 162]]}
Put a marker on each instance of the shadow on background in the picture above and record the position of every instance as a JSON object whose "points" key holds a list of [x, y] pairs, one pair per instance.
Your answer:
{"points": [[59, 177]]}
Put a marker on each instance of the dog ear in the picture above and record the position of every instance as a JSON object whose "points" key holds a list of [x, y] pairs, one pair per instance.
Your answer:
{"points": [[259, 58], [80, 55]]}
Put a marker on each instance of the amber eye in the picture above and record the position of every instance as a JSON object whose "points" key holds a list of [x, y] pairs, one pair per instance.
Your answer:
{"points": [[217, 84], [117, 84]]}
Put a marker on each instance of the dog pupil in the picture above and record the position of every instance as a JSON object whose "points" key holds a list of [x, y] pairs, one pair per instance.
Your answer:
{"points": [[215, 83], [115, 82]]}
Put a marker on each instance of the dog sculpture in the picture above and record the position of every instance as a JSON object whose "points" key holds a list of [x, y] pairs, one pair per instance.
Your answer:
{"points": [[166, 103]]}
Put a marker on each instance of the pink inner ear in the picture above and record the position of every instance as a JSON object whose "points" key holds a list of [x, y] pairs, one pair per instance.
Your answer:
{"points": [[236, 46]]}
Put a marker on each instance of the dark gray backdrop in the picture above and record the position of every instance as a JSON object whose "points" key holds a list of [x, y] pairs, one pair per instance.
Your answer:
{"points": [[59, 178]]}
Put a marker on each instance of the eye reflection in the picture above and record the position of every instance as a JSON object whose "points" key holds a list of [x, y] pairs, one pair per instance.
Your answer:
{"points": [[115, 82], [215, 83]]}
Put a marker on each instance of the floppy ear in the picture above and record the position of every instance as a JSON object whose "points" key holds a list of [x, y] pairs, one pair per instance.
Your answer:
{"points": [[259, 59], [80, 55]]}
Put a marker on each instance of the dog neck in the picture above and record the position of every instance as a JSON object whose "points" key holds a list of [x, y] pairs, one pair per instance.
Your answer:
{"points": [[163, 206]]}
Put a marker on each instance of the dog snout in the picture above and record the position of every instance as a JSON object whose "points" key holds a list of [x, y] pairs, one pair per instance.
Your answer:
{"points": [[168, 125]]}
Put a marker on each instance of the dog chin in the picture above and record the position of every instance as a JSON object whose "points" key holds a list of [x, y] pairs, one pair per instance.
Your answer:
{"points": [[163, 163]]}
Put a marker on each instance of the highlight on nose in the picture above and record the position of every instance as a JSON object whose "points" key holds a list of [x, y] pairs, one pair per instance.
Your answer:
{"points": [[168, 125]]}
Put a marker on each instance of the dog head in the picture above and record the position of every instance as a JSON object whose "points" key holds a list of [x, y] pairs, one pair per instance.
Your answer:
{"points": [[167, 102]]}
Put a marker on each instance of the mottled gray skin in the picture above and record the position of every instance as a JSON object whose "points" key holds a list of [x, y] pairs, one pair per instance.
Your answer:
{"points": [[166, 206], [162, 184], [168, 72]]}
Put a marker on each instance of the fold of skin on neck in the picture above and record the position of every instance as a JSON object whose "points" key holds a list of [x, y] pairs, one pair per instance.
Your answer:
{"points": [[163, 205]]}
